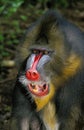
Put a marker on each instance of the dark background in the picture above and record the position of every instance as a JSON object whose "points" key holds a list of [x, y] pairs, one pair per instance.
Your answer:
{"points": [[15, 17]]}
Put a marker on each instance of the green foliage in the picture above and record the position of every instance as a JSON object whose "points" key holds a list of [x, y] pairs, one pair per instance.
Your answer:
{"points": [[55, 3], [8, 7], [3, 52], [23, 17], [9, 38], [62, 3], [1, 38]]}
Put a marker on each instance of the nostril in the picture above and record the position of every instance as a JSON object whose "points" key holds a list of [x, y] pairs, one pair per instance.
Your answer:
{"points": [[29, 73], [32, 75]]}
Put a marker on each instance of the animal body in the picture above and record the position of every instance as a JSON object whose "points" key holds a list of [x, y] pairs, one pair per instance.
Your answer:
{"points": [[49, 90]]}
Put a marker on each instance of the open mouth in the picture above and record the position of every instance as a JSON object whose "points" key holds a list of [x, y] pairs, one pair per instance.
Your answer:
{"points": [[38, 90]]}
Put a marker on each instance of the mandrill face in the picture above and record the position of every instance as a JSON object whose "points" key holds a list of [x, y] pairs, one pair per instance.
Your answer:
{"points": [[38, 85]]}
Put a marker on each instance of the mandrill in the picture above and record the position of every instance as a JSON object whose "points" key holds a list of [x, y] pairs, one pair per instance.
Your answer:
{"points": [[49, 89]]}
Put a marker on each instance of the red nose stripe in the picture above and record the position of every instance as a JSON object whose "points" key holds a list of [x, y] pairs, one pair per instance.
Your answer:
{"points": [[32, 73], [36, 60]]}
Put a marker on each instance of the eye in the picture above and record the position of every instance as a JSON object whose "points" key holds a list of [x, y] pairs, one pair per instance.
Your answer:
{"points": [[45, 52], [34, 51]]}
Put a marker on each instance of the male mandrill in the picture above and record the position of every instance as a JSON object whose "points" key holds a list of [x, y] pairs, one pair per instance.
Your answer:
{"points": [[49, 90]]}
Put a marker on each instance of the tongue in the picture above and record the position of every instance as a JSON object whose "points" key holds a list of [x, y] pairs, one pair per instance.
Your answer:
{"points": [[38, 90]]}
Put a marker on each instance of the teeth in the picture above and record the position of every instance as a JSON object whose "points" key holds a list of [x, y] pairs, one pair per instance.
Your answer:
{"points": [[32, 84], [36, 84]]}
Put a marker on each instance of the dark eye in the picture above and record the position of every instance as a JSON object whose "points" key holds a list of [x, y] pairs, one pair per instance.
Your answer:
{"points": [[45, 52], [34, 51]]}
